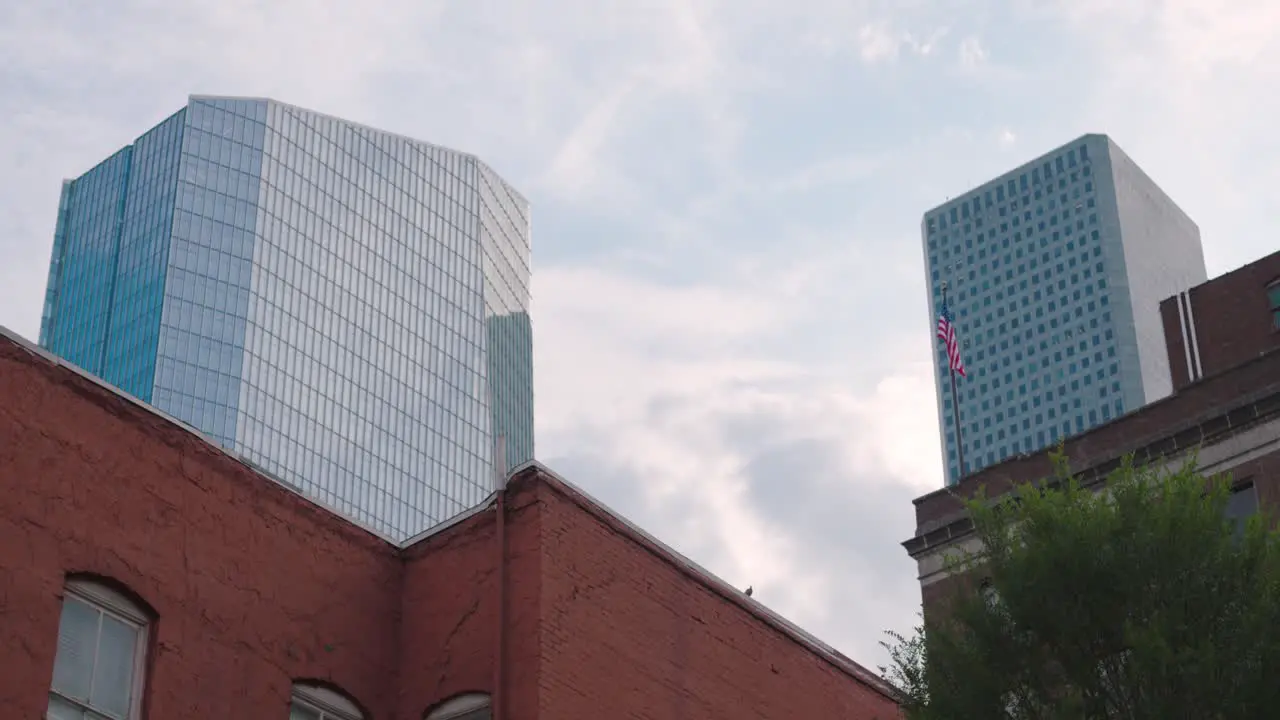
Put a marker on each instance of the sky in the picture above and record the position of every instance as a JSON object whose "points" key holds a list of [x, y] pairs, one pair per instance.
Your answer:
{"points": [[730, 323]]}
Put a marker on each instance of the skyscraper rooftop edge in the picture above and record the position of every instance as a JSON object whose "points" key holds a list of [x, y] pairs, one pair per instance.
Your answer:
{"points": [[1142, 173], [358, 125], [1021, 167], [107, 159], [330, 116]]}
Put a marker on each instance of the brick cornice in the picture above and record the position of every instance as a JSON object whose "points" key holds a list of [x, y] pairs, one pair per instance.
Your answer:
{"points": [[1250, 412]]}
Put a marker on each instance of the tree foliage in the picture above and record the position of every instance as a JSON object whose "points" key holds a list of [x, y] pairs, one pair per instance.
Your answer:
{"points": [[1144, 602]]}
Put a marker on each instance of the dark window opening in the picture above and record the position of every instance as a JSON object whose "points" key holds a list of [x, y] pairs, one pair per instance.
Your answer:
{"points": [[1273, 302]]}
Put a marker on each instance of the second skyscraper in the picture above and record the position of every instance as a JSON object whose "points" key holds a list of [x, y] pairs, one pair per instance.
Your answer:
{"points": [[1055, 272]]}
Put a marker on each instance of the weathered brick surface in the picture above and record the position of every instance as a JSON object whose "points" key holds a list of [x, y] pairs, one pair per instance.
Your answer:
{"points": [[1258, 378], [254, 587], [1264, 473], [251, 586], [450, 610], [934, 597], [628, 634], [1232, 320]]}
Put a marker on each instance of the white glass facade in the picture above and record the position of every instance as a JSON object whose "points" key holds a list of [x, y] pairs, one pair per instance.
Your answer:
{"points": [[344, 307]]}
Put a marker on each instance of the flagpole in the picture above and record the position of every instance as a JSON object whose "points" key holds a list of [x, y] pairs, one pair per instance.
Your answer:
{"points": [[955, 398]]}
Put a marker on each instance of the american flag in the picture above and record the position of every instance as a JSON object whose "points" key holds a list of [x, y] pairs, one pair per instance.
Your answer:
{"points": [[947, 333]]}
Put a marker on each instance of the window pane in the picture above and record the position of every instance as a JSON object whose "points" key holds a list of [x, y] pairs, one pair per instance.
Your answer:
{"points": [[77, 636], [1273, 294], [60, 709], [297, 712], [113, 680]]}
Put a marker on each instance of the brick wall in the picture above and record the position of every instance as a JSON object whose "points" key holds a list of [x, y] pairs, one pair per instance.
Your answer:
{"points": [[626, 633], [1263, 472], [1238, 392], [450, 609], [254, 587], [1230, 416], [1185, 417], [251, 585], [1232, 321]]}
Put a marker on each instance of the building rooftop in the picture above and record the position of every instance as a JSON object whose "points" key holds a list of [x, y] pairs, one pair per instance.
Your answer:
{"points": [[1225, 418], [16, 349], [360, 126], [1012, 173], [1223, 322], [1199, 415]]}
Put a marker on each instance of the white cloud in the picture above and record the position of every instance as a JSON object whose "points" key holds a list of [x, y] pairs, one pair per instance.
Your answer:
{"points": [[576, 169], [726, 200], [882, 41], [879, 42], [1194, 35], [610, 343], [972, 53], [1187, 88], [654, 382], [826, 172]]}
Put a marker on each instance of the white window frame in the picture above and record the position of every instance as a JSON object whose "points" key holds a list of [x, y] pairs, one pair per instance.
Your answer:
{"points": [[330, 704], [114, 604], [460, 707]]}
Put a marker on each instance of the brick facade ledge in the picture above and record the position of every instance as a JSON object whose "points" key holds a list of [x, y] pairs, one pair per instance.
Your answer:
{"points": [[1202, 414], [171, 431], [706, 578]]}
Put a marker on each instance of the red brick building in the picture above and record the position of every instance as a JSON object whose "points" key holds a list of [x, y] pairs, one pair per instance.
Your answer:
{"points": [[146, 574], [1224, 322], [1227, 412]]}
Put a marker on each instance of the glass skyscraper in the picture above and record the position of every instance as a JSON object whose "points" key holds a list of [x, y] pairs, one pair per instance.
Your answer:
{"points": [[1054, 274], [345, 308]]}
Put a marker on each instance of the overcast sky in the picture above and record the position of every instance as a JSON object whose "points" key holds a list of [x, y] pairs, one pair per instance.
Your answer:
{"points": [[730, 327]]}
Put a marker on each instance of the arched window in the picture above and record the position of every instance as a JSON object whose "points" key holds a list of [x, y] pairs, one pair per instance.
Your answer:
{"points": [[1273, 301], [102, 646], [316, 702], [472, 706]]}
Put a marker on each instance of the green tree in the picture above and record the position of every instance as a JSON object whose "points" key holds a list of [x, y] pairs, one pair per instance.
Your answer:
{"points": [[1145, 602]]}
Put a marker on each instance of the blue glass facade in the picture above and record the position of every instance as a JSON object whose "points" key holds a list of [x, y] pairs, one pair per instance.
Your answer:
{"points": [[82, 277], [1054, 273], [344, 307], [110, 251], [199, 356], [142, 257]]}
